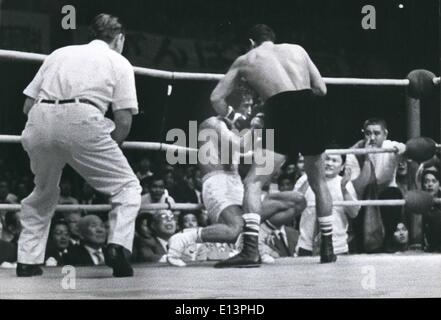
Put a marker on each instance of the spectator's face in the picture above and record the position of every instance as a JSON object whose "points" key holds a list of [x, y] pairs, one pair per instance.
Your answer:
{"points": [[95, 232], [290, 169], [144, 230], [401, 235], [144, 165], [431, 184], [402, 168], [169, 180], [72, 219], [14, 224], [286, 185], [189, 221], [22, 190], [374, 135], [301, 164], [157, 190], [165, 225], [65, 189], [60, 236], [333, 165], [87, 190], [4, 190]]}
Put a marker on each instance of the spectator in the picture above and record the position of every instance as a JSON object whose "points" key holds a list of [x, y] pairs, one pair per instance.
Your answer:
{"points": [[144, 169], [58, 244], [170, 182], [401, 237], [90, 196], [90, 250], [374, 177], [341, 189], [285, 183], [145, 185], [66, 193], [162, 226], [72, 219], [432, 219], [5, 195], [186, 191], [289, 169], [144, 239], [195, 251], [11, 227], [22, 190], [157, 194], [406, 172]]}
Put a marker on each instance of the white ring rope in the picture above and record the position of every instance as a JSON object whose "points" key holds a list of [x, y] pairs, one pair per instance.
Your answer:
{"points": [[170, 75], [195, 206], [159, 146]]}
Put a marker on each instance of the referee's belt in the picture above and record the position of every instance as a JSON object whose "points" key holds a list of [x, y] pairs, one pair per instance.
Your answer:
{"points": [[77, 100]]}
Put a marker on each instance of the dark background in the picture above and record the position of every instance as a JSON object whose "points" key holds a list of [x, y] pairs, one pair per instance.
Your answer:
{"points": [[404, 39]]}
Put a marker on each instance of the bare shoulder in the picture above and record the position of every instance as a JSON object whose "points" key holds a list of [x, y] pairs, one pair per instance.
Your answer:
{"points": [[293, 47], [209, 123]]}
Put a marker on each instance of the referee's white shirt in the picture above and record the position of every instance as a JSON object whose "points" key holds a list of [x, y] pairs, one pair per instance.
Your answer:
{"points": [[92, 71]]}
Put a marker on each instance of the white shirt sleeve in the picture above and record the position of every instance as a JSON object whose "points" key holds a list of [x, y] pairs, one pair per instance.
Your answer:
{"points": [[124, 95], [33, 89]]}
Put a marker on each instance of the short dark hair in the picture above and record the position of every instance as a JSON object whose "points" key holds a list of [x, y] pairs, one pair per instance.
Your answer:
{"points": [[373, 121], [334, 145], [106, 27], [260, 33], [285, 176]]}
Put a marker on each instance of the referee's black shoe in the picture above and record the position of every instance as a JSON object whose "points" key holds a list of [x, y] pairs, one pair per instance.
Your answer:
{"points": [[118, 258], [28, 270]]}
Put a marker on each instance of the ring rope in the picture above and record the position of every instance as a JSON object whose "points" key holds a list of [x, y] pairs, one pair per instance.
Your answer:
{"points": [[159, 146], [195, 206], [171, 75]]}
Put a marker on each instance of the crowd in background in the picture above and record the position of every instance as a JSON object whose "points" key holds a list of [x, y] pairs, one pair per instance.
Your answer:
{"points": [[79, 237]]}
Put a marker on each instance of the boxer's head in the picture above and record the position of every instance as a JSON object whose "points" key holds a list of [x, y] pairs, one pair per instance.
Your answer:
{"points": [[259, 34], [375, 132], [109, 29]]}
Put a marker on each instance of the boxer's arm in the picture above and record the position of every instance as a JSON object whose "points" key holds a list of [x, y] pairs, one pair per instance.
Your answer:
{"points": [[29, 102], [224, 88], [318, 85], [123, 124]]}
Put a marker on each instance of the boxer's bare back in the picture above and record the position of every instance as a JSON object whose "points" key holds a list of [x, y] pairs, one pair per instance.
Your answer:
{"points": [[273, 68]]}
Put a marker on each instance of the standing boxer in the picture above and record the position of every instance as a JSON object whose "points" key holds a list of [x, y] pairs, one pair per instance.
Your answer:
{"points": [[66, 103], [287, 80]]}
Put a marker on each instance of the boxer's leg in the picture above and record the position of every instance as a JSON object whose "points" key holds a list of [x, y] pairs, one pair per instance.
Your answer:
{"points": [[315, 170]]}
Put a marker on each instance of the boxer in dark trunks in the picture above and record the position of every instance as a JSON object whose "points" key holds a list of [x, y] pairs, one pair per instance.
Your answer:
{"points": [[288, 81]]}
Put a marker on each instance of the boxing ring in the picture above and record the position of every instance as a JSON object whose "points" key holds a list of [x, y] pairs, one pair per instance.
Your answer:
{"points": [[352, 276]]}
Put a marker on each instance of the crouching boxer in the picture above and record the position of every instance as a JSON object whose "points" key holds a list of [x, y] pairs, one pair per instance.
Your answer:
{"points": [[223, 195]]}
